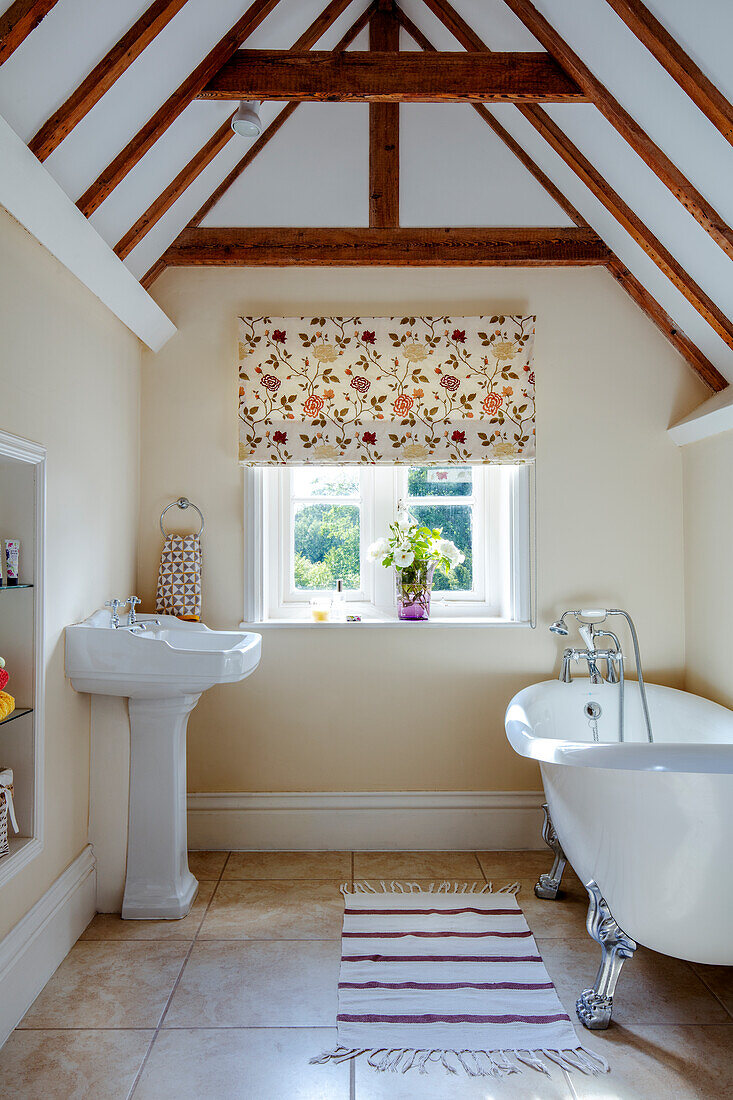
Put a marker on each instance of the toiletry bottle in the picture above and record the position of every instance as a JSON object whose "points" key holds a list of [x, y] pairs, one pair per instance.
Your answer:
{"points": [[338, 605], [12, 562]]}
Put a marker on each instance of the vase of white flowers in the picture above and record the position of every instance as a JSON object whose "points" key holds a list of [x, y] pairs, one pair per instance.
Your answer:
{"points": [[414, 552]]}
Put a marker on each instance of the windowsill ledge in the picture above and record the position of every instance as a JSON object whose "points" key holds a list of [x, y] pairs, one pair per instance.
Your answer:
{"points": [[374, 622]]}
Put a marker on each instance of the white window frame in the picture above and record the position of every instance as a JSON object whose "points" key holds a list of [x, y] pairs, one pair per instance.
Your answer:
{"points": [[502, 549], [285, 501]]}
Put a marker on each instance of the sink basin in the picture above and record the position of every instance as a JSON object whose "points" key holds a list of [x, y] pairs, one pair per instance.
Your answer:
{"points": [[172, 658], [162, 670]]}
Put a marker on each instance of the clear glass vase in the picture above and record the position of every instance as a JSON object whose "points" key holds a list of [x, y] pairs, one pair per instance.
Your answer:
{"points": [[414, 586]]}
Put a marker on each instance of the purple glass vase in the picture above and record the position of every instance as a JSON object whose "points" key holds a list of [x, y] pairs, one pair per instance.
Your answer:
{"points": [[414, 586]]}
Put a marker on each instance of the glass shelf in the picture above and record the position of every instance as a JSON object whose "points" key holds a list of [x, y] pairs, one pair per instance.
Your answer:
{"points": [[17, 713], [12, 587]]}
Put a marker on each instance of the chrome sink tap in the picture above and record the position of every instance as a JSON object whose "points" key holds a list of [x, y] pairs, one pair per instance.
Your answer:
{"points": [[114, 616], [132, 623]]}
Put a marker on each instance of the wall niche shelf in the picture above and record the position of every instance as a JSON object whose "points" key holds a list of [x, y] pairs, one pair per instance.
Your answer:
{"points": [[22, 516], [19, 712]]}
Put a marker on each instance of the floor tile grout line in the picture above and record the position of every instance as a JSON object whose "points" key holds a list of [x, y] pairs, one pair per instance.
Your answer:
{"points": [[330, 1027], [139, 1073], [712, 991], [160, 1020], [207, 1027], [572, 1094], [209, 903]]}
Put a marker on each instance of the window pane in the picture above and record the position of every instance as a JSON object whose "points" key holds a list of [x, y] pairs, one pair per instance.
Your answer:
{"points": [[326, 481], [456, 521], [326, 546], [436, 481]]}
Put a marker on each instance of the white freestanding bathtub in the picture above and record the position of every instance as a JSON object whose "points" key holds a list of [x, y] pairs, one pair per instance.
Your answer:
{"points": [[650, 824]]}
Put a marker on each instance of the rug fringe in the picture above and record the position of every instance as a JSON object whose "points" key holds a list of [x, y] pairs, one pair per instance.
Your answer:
{"points": [[406, 887], [475, 1063]]}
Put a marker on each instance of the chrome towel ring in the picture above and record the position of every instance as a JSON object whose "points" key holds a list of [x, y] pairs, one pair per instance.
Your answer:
{"points": [[183, 503]]}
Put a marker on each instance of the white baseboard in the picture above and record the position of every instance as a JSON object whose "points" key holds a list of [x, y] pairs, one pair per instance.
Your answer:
{"points": [[40, 941], [366, 820]]}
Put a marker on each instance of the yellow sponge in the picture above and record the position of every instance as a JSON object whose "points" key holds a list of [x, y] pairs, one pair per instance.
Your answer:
{"points": [[7, 705]]}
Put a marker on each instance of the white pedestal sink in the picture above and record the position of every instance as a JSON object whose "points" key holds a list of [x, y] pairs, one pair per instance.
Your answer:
{"points": [[162, 669]]}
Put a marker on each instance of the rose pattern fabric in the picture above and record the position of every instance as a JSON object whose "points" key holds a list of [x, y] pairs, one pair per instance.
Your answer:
{"points": [[312, 405], [402, 404], [386, 390], [492, 403]]}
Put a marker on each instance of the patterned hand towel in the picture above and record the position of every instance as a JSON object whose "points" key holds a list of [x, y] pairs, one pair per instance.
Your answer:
{"points": [[179, 577], [452, 976]]}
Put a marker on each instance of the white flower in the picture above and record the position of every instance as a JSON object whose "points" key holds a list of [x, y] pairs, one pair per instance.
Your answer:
{"points": [[403, 558], [403, 521], [378, 550], [449, 550]]}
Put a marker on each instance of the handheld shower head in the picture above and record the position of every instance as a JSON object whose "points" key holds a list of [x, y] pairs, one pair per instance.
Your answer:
{"points": [[559, 627]]}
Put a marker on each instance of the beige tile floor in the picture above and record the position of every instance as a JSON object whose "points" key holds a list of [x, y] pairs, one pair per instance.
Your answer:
{"points": [[230, 1003]]}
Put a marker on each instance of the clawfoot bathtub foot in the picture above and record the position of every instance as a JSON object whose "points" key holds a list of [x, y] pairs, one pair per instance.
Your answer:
{"points": [[549, 884], [595, 1006]]}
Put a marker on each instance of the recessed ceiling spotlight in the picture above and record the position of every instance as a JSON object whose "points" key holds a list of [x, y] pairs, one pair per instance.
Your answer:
{"points": [[247, 122]]}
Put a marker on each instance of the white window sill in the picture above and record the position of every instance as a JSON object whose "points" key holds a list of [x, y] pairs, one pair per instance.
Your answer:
{"points": [[433, 622]]}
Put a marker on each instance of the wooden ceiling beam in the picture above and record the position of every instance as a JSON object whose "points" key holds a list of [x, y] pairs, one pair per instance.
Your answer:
{"points": [[355, 29], [224, 135], [254, 151], [680, 66], [356, 77], [485, 115], [649, 305], [175, 189], [631, 222], [664, 169], [103, 76], [599, 187], [145, 138], [273, 246], [152, 273], [468, 38], [384, 129], [18, 21]]}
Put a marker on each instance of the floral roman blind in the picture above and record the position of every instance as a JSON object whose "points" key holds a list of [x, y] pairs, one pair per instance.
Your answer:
{"points": [[417, 391]]}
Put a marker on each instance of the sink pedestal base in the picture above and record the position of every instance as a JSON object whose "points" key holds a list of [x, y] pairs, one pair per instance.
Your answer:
{"points": [[158, 882]]}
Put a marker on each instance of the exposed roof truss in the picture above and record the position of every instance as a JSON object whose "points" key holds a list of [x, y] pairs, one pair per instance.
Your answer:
{"points": [[383, 76]]}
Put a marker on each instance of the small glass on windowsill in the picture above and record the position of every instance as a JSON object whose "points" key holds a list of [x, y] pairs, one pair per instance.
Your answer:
{"points": [[320, 609]]}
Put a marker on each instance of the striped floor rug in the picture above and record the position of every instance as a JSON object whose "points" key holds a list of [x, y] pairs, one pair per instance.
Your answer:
{"points": [[448, 974]]}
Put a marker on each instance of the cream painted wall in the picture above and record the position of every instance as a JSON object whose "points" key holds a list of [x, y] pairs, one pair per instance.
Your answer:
{"points": [[707, 467], [384, 709], [70, 380]]}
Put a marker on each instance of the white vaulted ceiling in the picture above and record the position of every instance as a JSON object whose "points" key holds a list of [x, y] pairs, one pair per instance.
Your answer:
{"points": [[454, 170]]}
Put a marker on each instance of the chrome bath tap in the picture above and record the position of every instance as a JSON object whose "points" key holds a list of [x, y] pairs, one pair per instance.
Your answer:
{"points": [[613, 657], [592, 656]]}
